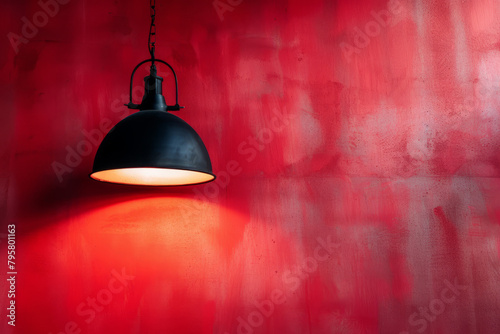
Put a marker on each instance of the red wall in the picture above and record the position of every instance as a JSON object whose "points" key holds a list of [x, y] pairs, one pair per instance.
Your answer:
{"points": [[357, 147]]}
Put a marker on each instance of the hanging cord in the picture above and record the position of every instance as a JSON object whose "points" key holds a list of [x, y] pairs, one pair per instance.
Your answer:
{"points": [[151, 48], [152, 31]]}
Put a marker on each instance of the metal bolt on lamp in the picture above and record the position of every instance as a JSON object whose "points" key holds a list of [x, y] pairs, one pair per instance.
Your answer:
{"points": [[152, 147]]}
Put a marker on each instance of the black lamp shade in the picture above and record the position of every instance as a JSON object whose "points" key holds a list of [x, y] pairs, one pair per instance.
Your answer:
{"points": [[155, 148]]}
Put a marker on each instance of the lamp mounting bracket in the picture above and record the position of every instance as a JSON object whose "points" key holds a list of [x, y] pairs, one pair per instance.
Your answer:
{"points": [[153, 98]]}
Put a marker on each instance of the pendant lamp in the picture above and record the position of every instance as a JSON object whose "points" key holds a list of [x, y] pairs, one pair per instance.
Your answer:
{"points": [[152, 147]]}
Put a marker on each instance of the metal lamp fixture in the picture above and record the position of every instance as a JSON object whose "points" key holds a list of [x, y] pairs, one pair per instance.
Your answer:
{"points": [[152, 147]]}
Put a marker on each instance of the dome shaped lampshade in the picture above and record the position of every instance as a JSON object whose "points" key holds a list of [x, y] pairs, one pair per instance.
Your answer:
{"points": [[155, 148], [152, 147]]}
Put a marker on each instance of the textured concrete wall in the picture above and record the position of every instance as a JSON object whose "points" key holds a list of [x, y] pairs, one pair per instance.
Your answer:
{"points": [[357, 147]]}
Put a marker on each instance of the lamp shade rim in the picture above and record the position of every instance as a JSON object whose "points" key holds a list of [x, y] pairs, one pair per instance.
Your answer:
{"points": [[213, 177], [152, 148]]}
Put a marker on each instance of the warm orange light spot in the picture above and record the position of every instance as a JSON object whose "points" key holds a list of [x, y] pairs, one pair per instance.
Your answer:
{"points": [[152, 176]]}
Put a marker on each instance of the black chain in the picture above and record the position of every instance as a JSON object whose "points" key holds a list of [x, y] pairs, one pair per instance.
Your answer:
{"points": [[152, 30]]}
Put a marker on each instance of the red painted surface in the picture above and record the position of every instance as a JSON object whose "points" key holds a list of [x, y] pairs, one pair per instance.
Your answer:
{"points": [[358, 187]]}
